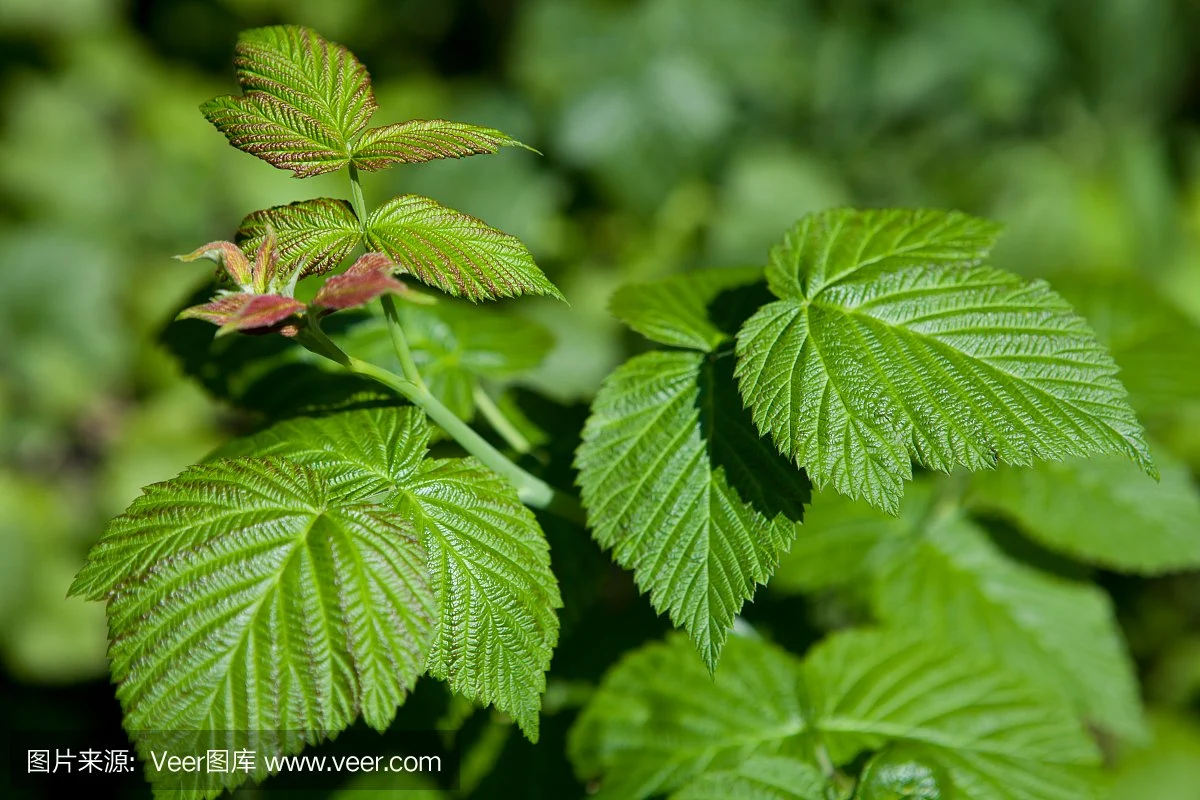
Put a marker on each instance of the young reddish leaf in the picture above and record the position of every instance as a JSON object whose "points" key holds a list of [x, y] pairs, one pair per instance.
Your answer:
{"points": [[457, 253], [265, 269], [306, 100], [366, 279], [227, 254], [258, 313], [313, 236], [426, 140]]}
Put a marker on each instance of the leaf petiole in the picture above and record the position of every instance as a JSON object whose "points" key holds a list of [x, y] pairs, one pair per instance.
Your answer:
{"points": [[499, 422]]}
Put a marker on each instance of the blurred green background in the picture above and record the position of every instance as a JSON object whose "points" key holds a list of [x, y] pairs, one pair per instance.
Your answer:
{"points": [[676, 133]]}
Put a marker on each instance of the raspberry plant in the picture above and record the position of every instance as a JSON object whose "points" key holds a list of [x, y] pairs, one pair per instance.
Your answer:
{"points": [[388, 523]]}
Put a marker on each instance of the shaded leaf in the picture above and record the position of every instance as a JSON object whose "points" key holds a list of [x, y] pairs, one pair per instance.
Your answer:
{"points": [[758, 778], [890, 343], [455, 252], [421, 140], [676, 310], [948, 579], [1102, 510], [454, 346], [658, 719]]}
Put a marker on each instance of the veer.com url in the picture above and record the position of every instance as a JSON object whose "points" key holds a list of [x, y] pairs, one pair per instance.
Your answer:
{"points": [[218, 761]]}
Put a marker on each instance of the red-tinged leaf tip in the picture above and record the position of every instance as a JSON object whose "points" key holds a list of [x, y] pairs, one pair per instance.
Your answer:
{"points": [[227, 254], [251, 313], [266, 263], [367, 278]]}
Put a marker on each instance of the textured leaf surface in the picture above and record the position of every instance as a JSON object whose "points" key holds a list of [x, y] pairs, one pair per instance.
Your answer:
{"points": [[457, 253], [1103, 511], [949, 580], [489, 563], [889, 342], [253, 605], [363, 281], [237, 311], [684, 310], [997, 737], [490, 567], [421, 140], [679, 485], [313, 236], [454, 346], [306, 100], [658, 719], [758, 778]]}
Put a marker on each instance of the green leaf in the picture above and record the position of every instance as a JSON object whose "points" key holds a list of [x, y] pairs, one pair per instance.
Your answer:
{"points": [[758, 778], [684, 310], [422, 140], [659, 719], [1156, 345], [490, 566], [1102, 511], [313, 236], [489, 563], [897, 773], [252, 605], [834, 546], [306, 100], [948, 579], [457, 253], [454, 346], [680, 486], [996, 736], [889, 342]]}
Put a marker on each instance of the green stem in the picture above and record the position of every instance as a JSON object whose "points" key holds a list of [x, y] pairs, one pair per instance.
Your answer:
{"points": [[500, 423], [356, 198], [532, 490], [399, 342]]}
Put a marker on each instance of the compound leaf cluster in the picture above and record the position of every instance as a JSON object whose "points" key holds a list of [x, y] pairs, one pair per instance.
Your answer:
{"points": [[659, 723], [305, 107]]}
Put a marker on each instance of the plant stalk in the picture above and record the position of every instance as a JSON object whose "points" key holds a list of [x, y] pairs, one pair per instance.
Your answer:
{"points": [[500, 423], [399, 341], [356, 198], [532, 490]]}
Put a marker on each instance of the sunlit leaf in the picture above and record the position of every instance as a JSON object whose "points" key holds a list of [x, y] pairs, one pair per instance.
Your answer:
{"points": [[891, 343], [455, 252], [313, 236], [421, 140]]}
